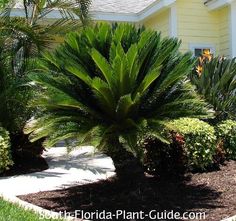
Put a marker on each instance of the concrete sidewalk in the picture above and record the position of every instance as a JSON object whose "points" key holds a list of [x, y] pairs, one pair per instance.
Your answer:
{"points": [[78, 167]]}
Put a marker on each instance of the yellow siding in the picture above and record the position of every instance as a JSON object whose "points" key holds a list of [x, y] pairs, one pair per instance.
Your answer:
{"points": [[196, 25], [159, 22], [224, 35]]}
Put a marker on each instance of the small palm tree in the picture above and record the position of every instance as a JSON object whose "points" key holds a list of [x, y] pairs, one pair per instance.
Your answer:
{"points": [[108, 84], [3, 3], [28, 35], [217, 83], [14, 97], [22, 39]]}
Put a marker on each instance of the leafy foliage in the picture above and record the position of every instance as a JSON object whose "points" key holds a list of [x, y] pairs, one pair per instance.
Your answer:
{"points": [[109, 82], [226, 132], [5, 150], [217, 83], [162, 159], [3, 3], [15, 111], [22, 39], [14, 95], [29, 35], [199, 141]]}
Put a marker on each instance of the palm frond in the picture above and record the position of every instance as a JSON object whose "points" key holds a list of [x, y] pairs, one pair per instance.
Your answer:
{"points": [[126, 80]]}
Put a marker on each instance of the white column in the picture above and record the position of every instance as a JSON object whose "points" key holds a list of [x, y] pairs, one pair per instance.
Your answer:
{"points": [[233, 28], [173, 23]]}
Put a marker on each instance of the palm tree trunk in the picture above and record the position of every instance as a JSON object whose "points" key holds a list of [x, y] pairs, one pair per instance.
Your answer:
{"points": [[126, 164]]}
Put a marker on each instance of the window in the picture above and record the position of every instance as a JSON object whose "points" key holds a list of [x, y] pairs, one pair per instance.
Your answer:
{"points": [[199, 49]]}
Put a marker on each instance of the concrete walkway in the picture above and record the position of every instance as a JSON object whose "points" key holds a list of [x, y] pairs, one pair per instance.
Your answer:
{"points": [[78, 167]]}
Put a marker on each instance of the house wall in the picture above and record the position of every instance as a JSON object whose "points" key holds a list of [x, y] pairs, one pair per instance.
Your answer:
{"points": [[159, 22], [196, 25], [224, 31]]}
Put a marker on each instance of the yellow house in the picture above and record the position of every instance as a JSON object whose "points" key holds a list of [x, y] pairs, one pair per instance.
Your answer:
{"points": [[200, 24], [209, 24]]}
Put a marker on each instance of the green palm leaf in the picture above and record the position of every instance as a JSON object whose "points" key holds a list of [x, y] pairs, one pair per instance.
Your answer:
{"points": [[114, 82]]}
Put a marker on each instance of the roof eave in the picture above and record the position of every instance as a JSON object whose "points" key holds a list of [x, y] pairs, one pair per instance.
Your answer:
{"points": [[217, 4], [155, 7]]}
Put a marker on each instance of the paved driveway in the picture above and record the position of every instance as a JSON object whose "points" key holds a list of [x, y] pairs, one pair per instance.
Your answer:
{"points": [[78, 167]]}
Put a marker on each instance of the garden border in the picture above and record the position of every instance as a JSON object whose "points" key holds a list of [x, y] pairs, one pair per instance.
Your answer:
{"points": [[38, 210]]}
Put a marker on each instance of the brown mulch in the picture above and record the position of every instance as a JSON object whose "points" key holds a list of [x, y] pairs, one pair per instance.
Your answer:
{"points": [[212, 192]]}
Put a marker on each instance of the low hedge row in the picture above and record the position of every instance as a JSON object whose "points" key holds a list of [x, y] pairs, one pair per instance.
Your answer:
{"points": [[194, 142], [226, 133], [199, 141]]}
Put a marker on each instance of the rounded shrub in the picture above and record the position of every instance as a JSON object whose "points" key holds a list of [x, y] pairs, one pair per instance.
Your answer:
{"points": [[5, 150], [226, 133], [199, 142]]}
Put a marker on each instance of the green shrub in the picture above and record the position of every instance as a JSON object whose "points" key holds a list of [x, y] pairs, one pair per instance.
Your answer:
{"points": [[162, 159], [5, 155], [226, 133], [199, 141]]}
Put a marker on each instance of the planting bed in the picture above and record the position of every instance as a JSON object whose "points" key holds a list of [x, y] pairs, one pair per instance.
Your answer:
{"points": [[211, 192]]}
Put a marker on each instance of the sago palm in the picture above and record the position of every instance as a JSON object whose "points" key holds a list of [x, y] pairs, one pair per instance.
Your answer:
{"points": [[217, 83], [105, 85]]}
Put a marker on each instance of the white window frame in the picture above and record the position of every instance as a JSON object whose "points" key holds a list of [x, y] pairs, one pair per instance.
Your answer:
{"points": [[194, 46]]}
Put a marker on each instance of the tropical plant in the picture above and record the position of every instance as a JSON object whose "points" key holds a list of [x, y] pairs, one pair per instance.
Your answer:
{"points": [[162, 159], [199, 141], [28, 35], [14, 109], [5, 150], [3, 3], [13, 95], [215, 79], [105, 83], [226, 133], [22, 39]]}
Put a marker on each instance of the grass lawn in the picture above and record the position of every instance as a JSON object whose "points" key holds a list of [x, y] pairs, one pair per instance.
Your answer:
{"points": [[12, 212]]}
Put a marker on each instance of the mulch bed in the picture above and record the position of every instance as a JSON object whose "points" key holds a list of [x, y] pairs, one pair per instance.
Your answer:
{"points": [[212, 192]]}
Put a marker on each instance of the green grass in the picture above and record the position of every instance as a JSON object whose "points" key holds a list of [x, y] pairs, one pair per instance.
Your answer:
{"points": [[13, 212]]}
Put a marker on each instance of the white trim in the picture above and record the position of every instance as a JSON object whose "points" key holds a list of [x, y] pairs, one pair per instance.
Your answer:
{"points": [[233, 29], [193, 46], [155, 7], [216, 4], [173, 23]]}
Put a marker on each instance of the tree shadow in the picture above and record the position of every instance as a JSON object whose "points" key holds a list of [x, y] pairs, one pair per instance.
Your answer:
{"points": [[112, 195], [84, 161]]}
